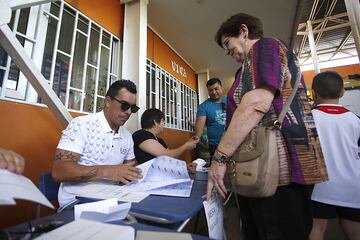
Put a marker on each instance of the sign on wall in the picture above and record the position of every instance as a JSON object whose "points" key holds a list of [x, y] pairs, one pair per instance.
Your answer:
{"points": [[177, 68]]}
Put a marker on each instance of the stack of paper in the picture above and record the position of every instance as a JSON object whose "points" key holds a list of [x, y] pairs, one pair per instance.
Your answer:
{"points": [[161, 176], [17, 186], [102, 211]]}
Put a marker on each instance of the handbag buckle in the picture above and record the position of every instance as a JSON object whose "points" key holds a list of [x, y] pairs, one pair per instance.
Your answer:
{"points": [[232, 167], [277, 125]]}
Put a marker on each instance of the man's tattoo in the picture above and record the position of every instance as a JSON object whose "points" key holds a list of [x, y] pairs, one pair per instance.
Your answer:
{"points": [[86, 177], [65, 155]]}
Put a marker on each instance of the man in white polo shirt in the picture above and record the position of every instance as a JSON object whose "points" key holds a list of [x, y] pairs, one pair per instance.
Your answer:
{"points": [[97, 146]]}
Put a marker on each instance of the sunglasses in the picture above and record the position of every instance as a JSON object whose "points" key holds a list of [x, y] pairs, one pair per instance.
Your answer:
{"points": [[124, 105]]}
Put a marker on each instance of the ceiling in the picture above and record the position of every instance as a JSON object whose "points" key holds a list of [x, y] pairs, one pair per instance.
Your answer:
{"points": [[331, 28], [189, 27]]}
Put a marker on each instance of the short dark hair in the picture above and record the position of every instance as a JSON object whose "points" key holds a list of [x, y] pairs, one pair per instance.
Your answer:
{"points": [[231, 27], [149, 116], [212, 81], [119, 84], [329, 85]]}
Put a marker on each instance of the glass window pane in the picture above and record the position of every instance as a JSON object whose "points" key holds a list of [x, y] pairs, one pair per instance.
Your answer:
{"points": [[103, 75], [77, 72], [2, 73], [83, 24], [74, 99], [55, 9], [3, 57], [94, 45], [66, 30], [106, 39], [14, 71], [89, 89], [60, 76], [23, 20], [112, 79], [49, 47], [99, 104], [114, 56]]}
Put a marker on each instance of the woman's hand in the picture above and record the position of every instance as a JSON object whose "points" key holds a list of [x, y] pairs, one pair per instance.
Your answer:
{"points": [[11, 161], [216, 179], [191, 167], [191, 143]]}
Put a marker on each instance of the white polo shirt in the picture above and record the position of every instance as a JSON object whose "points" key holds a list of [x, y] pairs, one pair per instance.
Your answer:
{"points": [[91, 136], [339, 133]]}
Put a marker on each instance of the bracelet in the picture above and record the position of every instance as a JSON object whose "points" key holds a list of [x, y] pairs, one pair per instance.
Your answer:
{"points": [[221, 152], [220, 157]]}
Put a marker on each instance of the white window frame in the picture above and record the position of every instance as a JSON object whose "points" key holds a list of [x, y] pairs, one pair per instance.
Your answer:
{"points": [[170, 106], [36, 35]]}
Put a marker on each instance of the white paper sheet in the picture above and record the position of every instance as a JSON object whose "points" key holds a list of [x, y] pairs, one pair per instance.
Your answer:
{"points": [[178, 190], [102, 211], [17, 186], [149, 235], [215, 216], [84, 229], [158, 173], [107, 191]]}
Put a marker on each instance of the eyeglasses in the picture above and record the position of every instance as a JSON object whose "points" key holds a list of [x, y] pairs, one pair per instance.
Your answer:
{"points": [[225, 45], [124, 105]]}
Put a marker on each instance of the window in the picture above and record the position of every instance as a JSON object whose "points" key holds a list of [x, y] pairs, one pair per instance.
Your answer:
{"points": [[176, 100], [79, 58]]}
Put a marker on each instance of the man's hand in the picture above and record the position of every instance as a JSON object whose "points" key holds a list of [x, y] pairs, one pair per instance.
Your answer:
{"points": [[122, 173], [11, 161], [216, 179]]}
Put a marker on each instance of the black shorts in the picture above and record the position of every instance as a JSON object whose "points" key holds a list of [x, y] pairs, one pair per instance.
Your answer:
{"points": [[327, 211]]}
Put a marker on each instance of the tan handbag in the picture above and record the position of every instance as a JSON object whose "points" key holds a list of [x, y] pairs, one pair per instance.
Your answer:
{"points": [[253, 170]]}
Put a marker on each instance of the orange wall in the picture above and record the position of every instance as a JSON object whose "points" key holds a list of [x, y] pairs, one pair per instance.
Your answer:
{"points": [[175, 138], [107, 13], [33, 132], [342, 70], [159, 52]]}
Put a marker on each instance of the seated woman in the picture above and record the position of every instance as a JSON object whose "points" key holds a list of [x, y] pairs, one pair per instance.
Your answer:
{"points": [[146, 143]]}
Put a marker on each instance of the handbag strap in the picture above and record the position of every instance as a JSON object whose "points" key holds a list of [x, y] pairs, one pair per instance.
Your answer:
{"points": [[288, 103]]}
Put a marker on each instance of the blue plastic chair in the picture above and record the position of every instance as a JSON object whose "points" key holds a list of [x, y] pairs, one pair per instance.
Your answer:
{"points": [[48, 187]]}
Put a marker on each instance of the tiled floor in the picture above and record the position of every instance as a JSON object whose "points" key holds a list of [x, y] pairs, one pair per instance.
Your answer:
{"points": [[232, 225]]}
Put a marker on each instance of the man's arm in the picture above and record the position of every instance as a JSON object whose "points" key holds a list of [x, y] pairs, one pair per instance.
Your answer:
{"points": [[67, 169], [199, 125]]}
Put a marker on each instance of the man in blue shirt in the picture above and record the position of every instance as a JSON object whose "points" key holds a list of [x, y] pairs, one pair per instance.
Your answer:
{"points": [[212, 114]]}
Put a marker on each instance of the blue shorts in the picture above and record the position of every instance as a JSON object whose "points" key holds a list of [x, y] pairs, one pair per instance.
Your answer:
{"points": [[327, 211]]}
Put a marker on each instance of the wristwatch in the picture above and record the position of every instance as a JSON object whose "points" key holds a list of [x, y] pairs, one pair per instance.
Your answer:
{"points": [[220, 157]]}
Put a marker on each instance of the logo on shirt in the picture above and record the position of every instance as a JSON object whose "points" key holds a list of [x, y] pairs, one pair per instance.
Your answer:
{"points": [[123, 150], [220, 117]]}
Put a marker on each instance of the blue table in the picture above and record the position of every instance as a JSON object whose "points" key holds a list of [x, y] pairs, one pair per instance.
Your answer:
{"points": [[199, 176], [68, 216], [167, 209]]}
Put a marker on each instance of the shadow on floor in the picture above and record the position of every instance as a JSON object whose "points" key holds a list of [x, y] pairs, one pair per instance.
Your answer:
{"points": [[232, 225]]}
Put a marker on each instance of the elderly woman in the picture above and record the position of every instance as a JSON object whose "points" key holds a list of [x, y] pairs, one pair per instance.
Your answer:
{"points": [[262, 84], [147, 144]]}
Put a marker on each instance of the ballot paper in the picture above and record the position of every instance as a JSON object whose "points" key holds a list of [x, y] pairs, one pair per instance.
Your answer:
{"points": [[14, 185], [161, 176], [102, 211], [215, 216], [81, 229]]}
